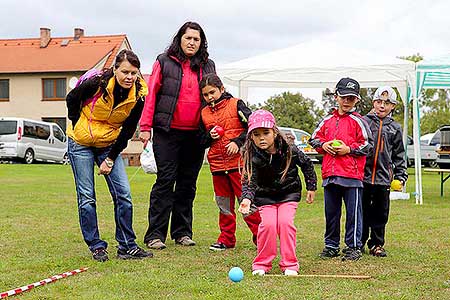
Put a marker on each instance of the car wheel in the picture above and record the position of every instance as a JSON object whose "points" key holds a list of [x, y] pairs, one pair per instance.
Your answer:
{"points": [[433, 164], [65, 160], [29, 156]]}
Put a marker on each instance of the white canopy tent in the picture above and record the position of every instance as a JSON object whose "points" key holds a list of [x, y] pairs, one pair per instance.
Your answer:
{"points": [[320, 64]]}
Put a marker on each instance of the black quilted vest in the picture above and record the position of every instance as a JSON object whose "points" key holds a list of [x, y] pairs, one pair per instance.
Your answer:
{"points": [[167, 97]]}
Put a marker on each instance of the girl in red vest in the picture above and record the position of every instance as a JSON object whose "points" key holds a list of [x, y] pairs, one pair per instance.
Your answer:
{"points": [[225, 121]]}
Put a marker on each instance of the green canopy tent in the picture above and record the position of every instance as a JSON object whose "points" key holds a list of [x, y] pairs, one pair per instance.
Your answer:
{"points": [[431, 73]]}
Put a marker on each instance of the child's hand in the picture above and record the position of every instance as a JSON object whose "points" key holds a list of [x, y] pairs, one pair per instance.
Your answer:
{"points": [[310, 196], [328, 148], [342, 149], [244, 208], [214, 133], [232, 148]]}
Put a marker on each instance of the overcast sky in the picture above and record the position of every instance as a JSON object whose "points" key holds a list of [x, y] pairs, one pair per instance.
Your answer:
{"points": [[238, 29]]}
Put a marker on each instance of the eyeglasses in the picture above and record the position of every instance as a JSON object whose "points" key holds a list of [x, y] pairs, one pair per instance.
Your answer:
{"points": [[384, 102]]}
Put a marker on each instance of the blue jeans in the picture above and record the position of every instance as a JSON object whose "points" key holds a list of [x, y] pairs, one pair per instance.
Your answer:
{"points": [[82, 159]]}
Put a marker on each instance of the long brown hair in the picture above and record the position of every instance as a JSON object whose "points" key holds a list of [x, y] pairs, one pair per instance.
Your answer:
{"points": [[247, 153]]}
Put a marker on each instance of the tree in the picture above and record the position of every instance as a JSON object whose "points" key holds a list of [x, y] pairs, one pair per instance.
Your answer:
{"points": [[293, 110], [434, 104]]}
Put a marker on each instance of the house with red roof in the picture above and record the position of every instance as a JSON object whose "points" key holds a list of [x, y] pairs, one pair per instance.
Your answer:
{"points": [[37, 73]]}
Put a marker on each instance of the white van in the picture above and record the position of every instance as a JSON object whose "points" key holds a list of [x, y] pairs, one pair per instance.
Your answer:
{"points": [[32, 140]]}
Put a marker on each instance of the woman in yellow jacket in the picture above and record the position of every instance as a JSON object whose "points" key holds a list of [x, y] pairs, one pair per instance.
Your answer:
{"points": [[104, 111]]}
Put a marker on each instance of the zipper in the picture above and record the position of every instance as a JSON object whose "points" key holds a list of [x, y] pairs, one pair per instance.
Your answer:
{"points": [[376, 152]]}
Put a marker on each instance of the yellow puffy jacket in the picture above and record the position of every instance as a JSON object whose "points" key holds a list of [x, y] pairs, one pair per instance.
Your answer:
{"points": [[100, 124]]}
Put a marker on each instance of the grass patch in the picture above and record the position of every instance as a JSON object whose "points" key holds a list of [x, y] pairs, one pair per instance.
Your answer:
{"points": [[40, 237]]}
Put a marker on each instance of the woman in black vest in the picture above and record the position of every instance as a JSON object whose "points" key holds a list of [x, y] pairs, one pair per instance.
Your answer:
{"points": [[172, 110]]}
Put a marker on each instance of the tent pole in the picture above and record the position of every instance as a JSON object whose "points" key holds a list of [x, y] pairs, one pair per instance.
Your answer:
{"points": [[417, 154]]}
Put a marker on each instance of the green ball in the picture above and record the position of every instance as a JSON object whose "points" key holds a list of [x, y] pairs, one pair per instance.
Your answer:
{"points": [[336, 143]]}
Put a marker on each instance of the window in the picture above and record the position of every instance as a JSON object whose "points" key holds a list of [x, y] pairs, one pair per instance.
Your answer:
{"points": [[54, 89], [58, 134], [35, 130], [8, 127], [301, 136], [60, 121], [4, 89]]}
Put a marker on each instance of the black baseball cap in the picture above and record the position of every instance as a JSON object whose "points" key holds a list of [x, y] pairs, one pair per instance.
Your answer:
{"points": [[348, 87]]}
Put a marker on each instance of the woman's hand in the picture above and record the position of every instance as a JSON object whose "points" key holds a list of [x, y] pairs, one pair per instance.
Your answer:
{"points": [[104, 169], [145, 136], [244, 208], [310, 196]]}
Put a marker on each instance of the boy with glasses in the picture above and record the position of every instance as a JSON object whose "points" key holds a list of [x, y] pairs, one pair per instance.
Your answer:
{"points": [[385, 163], [345, 140]]}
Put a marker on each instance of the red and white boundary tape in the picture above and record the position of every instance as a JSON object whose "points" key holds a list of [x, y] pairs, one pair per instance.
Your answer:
{"points": [[42, 282]]}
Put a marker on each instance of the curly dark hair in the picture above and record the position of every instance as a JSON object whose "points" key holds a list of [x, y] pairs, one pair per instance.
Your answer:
{"points": [[201, 57], [123, 55]]}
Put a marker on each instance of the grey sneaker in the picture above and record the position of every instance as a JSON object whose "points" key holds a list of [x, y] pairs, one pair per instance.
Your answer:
{"points": [[185, 241], [352, 254], [156, 244], [100, 254]]}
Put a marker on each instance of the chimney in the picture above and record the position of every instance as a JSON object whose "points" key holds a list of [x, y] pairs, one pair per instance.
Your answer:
{"points": [[77, 33], [45, 37]]}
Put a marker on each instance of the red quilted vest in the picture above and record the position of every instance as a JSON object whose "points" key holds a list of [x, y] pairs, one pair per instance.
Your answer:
{"points": [[225, 115]]}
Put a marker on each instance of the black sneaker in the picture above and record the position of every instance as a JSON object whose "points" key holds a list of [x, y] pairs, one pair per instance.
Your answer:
{"points": [[352, 254], [135, 253], [346, 249], [329, 253], [218, 247], [100, 254]]}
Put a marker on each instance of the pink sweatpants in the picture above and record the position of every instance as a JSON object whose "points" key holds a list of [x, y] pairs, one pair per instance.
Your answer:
{"points": [[277, 220]]}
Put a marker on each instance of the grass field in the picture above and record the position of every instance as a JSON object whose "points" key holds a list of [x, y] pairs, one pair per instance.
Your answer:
{"points": [[40, 237]]}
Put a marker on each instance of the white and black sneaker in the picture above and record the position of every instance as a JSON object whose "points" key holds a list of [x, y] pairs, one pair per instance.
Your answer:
{"points": [[218, 247], [135, 253]]}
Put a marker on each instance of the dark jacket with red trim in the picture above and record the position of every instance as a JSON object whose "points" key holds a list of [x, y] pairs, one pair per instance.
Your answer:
{"points": [[387, 159], [355, 133]]}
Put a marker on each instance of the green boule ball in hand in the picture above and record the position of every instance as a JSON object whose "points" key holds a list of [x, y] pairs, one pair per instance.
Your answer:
{"points": [[336, 143]]}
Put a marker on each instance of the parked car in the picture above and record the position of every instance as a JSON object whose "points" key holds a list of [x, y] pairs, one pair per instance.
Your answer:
{"points": [[428, 153], [301, 138], [443, 160], [432, 139], [31, 140]]}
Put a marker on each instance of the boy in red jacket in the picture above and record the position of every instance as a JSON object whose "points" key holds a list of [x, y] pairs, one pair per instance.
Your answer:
{"points": [[225, 120], [343, 138]]}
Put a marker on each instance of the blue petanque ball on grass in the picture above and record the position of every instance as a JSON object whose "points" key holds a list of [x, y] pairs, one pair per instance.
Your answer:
{"points": [[236, 274]]}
